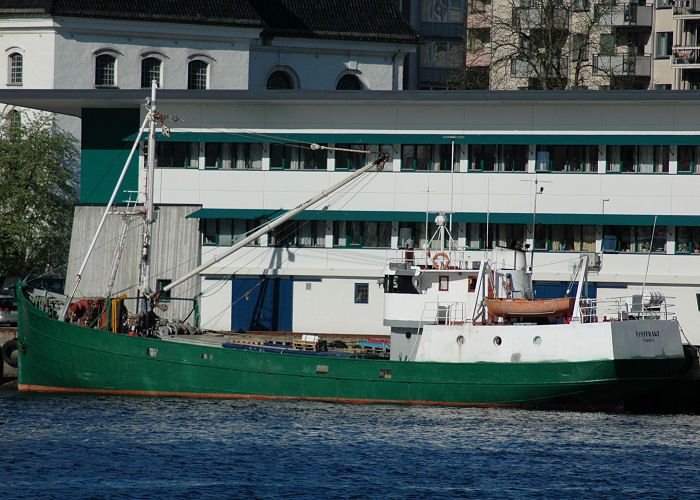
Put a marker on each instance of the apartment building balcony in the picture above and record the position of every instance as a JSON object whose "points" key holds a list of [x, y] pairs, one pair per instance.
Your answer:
{"points": [[441, 29], [686, 9], [622, 65], [685, 57], [628, 15]]}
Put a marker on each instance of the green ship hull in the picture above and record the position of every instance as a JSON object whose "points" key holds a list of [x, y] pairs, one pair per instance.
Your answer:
{"points": [[61, 357]]}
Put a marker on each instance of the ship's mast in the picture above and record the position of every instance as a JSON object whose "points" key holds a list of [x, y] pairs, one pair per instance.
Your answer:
{"points": [[145, 262]]}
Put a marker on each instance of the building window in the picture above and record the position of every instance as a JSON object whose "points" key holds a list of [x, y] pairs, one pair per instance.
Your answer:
{"points": [[15, 69], [160, 284], [687, 239], [579, 47], [498, 158], [350, 160], [279, 80], [308, 233], [105, 70], [178, 155], [362, 234], [435, 157], [15, 118], [361, 293], [443, 54], [288, 157], [442, 10], [664, 44], [197, 72], [634, 239], [688, 159], [210, 231], [150, 70], [574, 158], [664, 4], [349, 82]]}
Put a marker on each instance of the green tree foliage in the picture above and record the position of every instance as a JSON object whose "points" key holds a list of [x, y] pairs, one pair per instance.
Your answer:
{"points": [[37, 195]]}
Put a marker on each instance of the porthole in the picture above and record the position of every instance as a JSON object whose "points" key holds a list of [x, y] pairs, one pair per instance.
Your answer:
{"points": [[497, 341], [460, 340], [408, 335], [537, 340]]}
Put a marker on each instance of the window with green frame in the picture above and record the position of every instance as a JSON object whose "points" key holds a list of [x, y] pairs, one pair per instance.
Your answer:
{"points": [[349, 160], [566, 158], [634, 239], [310, 233], [178, 155], [224, 155], [362, 234], [415, 156], [639, 159], [687, 239], [292, 157], [210, 231], [688, 159], [483, 157]]}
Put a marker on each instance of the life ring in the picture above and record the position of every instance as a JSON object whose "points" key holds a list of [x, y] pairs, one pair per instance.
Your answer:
{"points": [[445, 261], [8, 350]]}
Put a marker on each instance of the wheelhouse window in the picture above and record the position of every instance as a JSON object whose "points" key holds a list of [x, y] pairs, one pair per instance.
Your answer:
{"points": [[15, 70], [105, 70], [197, 75], [150, 70], [280, 80]]}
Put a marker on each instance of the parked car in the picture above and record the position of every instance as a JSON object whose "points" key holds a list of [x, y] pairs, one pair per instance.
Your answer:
{"points": [[8, 310]]}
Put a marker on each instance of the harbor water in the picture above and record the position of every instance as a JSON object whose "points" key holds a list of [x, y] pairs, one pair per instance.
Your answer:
{"points": [[129, 447]]}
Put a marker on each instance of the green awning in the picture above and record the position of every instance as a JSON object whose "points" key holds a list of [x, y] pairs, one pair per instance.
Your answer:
{"points": [[477, 217], [431, 138]]}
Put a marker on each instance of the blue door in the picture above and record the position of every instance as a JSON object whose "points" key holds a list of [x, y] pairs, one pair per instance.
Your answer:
{"points": [[261, 304]]}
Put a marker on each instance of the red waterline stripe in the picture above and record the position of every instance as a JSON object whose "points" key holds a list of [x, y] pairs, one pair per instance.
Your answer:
{"points": [[204, 395]]}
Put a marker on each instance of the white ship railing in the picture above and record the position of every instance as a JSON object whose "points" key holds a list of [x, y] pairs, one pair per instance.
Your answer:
{"points": [[653, 306], [458, 259], [443, 313]]}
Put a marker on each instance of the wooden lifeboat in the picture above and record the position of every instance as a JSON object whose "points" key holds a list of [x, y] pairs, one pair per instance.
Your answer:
{"points": [[524, 308]]}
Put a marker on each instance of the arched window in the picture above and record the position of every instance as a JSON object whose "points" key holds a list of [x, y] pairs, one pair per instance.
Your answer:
{"points": [[105, 70], [279, 80], [15, 69], [349, 82], [197, 75], [150, 70]]}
